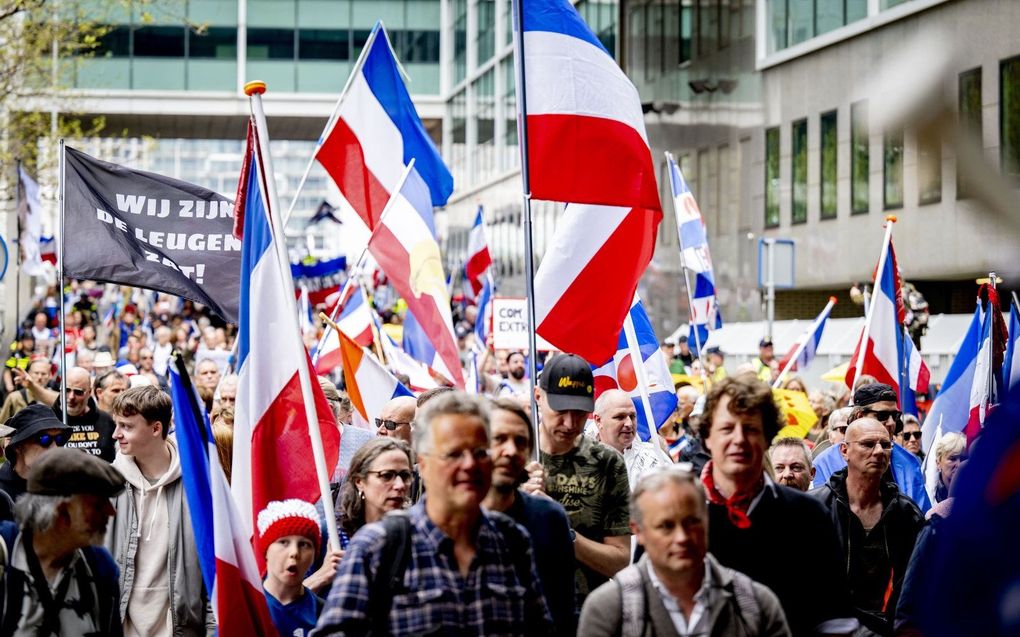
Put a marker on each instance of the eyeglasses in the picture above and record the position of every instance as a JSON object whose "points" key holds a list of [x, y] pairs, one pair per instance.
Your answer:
{"points": [[841, 429], [389, 475], [870, 444], [390, 425], [911, 435], [45, 440], [479, 454], [77, 391], [882, 416]]}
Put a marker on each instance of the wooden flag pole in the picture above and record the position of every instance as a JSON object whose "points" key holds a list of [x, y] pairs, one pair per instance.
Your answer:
{"points": [[529, 250], [254, 91]]}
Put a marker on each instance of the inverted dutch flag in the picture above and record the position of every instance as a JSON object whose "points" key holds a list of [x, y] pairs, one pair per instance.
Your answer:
{"points": [[595, 260], [811, 338], [697, 258], [620, 373], [950, 410], [483, 321], [375, 133], [986, 388], [272, 448], [478, 259], [404, 247], [1011, 364], [401, 362], [369, 385], [229, 568], [355, 320], [586, 129], [889, 354]]}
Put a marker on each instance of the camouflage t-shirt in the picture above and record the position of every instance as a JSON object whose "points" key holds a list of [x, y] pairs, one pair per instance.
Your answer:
{"points": [[590, 481]]}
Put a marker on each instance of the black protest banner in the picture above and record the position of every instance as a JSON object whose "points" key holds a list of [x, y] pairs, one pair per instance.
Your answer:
{"points": [[142, 229]]}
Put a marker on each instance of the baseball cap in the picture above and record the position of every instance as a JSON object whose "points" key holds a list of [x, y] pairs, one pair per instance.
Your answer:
{"points": [[568, 383], [874, 393], [765, 342]]}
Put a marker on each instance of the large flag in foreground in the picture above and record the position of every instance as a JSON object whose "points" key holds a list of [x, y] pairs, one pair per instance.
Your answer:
{"points": [[697, 259], [145, 230], [375, 133], [478, 257], [272, 448], [406, 250], [620, 373], [229, 568], [585, 285], [889, 354], [585, 126], [369, 385]]}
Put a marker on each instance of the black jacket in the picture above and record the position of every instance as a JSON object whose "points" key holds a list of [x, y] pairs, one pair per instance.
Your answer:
{"points": [[786, 526], [10, 482], [896, 530]]}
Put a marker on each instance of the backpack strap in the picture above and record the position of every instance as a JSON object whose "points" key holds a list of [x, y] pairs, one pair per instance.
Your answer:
{"points": [[633, 602], [393, 562], [747, 602], [12, 581], [106, 586]]}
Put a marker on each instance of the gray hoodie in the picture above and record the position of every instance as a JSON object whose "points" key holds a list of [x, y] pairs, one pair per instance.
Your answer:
{"points": [[151, 539]]}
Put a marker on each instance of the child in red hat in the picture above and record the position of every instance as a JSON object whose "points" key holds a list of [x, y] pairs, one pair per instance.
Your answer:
{"points": [[289, 537]]}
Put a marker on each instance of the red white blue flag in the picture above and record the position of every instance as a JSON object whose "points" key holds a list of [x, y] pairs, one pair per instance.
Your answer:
{"points": [[620, 372], [586, 129], [229, 568], [272, 447], [407, 251], [811, 338], [889, 354], [375, 133], [1011, 364], [478, 258]]}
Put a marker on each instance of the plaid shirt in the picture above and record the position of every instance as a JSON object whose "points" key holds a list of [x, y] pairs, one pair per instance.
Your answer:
{"points": [[435, 598]]}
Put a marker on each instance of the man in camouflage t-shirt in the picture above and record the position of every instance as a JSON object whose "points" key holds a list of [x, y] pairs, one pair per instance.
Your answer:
{"points": [[588, 479]]}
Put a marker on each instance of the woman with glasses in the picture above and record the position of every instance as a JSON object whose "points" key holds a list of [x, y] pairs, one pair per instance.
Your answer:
{"points": [[378, 481]]}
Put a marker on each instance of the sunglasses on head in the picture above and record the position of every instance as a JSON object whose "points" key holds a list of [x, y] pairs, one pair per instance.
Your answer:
{"points": [[45, 440], [389, 425]]}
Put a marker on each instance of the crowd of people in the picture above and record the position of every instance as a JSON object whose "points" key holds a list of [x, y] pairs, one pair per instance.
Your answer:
{"points": [[454, 517]]}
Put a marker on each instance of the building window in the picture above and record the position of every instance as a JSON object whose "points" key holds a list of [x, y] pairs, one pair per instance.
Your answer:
{"points": [[114, 43], [859, 142], [794, 21], [892, 169], [929, 165], [270, 44], [159, 42], [798, 164], [218, 43], [1009, 116], [686, 19], [801, 20], [485, 18], [969, 100], [418, 46], [829, 164], [324, 44], [459, 40], [772, 177]]}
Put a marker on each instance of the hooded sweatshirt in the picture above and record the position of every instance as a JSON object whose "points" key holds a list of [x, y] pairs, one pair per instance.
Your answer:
{"points": [[148, 610]]}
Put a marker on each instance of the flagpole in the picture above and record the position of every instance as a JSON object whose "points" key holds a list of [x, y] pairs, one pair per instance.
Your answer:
{"points": [[991, 345], [17, 271], [364, 252], [687, 280], [800, 347], [529, 250], [863, 346], [332, 117], [639, 366], [60, 288], [254, 91], [339, 305]]}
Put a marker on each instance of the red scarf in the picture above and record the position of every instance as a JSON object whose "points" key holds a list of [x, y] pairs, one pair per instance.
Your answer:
{"points": [[736, 505]]}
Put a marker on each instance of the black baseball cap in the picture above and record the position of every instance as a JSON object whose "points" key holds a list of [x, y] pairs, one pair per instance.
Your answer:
{"points": [[765, 342], [568, 383], [874, 393]]}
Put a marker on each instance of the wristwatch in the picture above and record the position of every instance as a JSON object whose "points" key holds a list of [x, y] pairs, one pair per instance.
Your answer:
{"points": [[573, 535]]}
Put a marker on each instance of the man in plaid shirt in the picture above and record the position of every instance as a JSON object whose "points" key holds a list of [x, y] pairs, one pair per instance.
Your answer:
{"points": [[471, 571]]}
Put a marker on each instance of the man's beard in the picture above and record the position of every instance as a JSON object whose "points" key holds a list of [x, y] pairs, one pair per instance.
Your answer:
{"points": [[517, 373]]}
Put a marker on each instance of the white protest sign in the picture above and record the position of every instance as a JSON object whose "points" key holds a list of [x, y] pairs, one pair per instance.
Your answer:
{"points": [[510, 325]]}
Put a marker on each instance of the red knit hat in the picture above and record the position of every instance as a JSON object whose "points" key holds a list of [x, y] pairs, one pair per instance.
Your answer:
{"points": [[288, 517]]}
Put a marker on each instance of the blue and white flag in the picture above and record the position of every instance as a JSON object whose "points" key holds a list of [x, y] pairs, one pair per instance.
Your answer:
{"points": [[1011, 364]]}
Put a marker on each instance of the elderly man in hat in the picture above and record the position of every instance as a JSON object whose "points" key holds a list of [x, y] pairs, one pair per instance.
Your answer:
{"points": [[879, 401], [62, 582], [36, 431]]}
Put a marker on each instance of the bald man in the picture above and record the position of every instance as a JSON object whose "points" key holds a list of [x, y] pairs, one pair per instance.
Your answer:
{"points": [[877, 525], [616, 419], [396, 418], [93, 429]]}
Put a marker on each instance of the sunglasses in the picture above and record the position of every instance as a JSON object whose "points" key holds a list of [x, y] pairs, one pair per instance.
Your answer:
{"points": [[77, 391], [911, 435], [882, 416], [390, 475], [390, 425], [870, 444], [45, 440]]}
